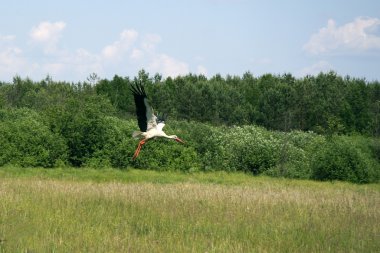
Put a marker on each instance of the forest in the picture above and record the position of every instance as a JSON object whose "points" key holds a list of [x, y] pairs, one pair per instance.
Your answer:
{"points": [[323, 127]]}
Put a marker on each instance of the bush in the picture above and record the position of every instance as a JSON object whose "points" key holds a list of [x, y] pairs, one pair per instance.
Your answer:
{"points": [[164, 154], [206, 140], [296, 150], [27, 141], [83, 124], [250, 149], [88, 137], [292, 163], [119, 145], [341, 159]]}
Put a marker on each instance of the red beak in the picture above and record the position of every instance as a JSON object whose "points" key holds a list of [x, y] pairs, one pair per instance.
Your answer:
{"points": [[179, 140]]}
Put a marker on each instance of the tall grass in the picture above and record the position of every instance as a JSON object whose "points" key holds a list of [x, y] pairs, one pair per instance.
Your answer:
{"points": [[259, 215]]}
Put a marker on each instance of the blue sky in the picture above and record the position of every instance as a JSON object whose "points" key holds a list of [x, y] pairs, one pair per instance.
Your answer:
{"points": [[69, 40]]}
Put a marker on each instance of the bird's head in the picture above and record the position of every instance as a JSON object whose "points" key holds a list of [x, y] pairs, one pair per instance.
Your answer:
{"points": [[175, 137]]}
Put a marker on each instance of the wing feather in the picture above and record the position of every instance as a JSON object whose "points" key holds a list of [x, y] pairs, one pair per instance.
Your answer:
{"points": [[145, 116]]}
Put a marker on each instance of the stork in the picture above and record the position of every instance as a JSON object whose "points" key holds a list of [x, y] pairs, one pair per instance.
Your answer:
{"points": [[150, 125]]}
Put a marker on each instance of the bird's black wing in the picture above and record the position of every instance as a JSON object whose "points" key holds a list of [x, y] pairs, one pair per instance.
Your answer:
{"points": [[145, 117], [161, 117]]}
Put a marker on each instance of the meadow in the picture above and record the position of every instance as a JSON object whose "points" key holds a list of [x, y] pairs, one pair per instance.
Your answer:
{"points": [[110, 210]]}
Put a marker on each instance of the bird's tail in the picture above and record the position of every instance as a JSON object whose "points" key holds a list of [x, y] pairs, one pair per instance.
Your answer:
{"points": [[136, 134]]}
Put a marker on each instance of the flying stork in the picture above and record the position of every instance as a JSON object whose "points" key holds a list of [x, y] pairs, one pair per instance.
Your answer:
{"points": [[150, 125]]}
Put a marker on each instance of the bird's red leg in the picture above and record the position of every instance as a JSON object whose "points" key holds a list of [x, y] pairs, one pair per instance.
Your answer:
{"points": [[137, 152]]}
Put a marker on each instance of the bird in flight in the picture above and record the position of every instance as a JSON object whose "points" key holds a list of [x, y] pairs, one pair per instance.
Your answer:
{"points": [[150, 125]]}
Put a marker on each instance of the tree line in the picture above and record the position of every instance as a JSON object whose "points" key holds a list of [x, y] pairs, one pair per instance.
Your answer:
{"points": [[326, 103]]}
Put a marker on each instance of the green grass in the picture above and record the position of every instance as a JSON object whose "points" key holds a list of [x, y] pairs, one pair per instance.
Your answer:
{"points": [[87, 210], [130, 175]]}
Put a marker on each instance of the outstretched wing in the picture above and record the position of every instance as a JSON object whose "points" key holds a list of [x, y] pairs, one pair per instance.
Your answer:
{"points": [[145, 116], [161, 118]]}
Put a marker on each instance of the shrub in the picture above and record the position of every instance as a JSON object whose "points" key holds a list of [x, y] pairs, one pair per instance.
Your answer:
{"points": [[88, 137], [296, 150], [27, 141], [117, 145], [292, 163], [206, 140], [120, 145], [83, 124], [340, 159], [250, 149], [164, 154]]}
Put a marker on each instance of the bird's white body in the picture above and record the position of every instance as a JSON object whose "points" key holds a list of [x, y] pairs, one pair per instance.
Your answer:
{"points": [[153, 132]]}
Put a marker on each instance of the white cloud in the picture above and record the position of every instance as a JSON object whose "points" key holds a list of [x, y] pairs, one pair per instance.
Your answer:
{"points": [[144, 53], [137, 54], [47, 34], [321, 66], [6, 38], [130, 51], [13, 62], [356, 35], [202, 70], [9, 54], [150, 41], [86, 62], [47, 31], [10, 58], [168, 66], [79, 63], [117, 49]]}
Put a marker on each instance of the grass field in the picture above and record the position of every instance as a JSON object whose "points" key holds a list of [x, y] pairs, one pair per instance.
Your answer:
{"points": [[70, 210]]}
